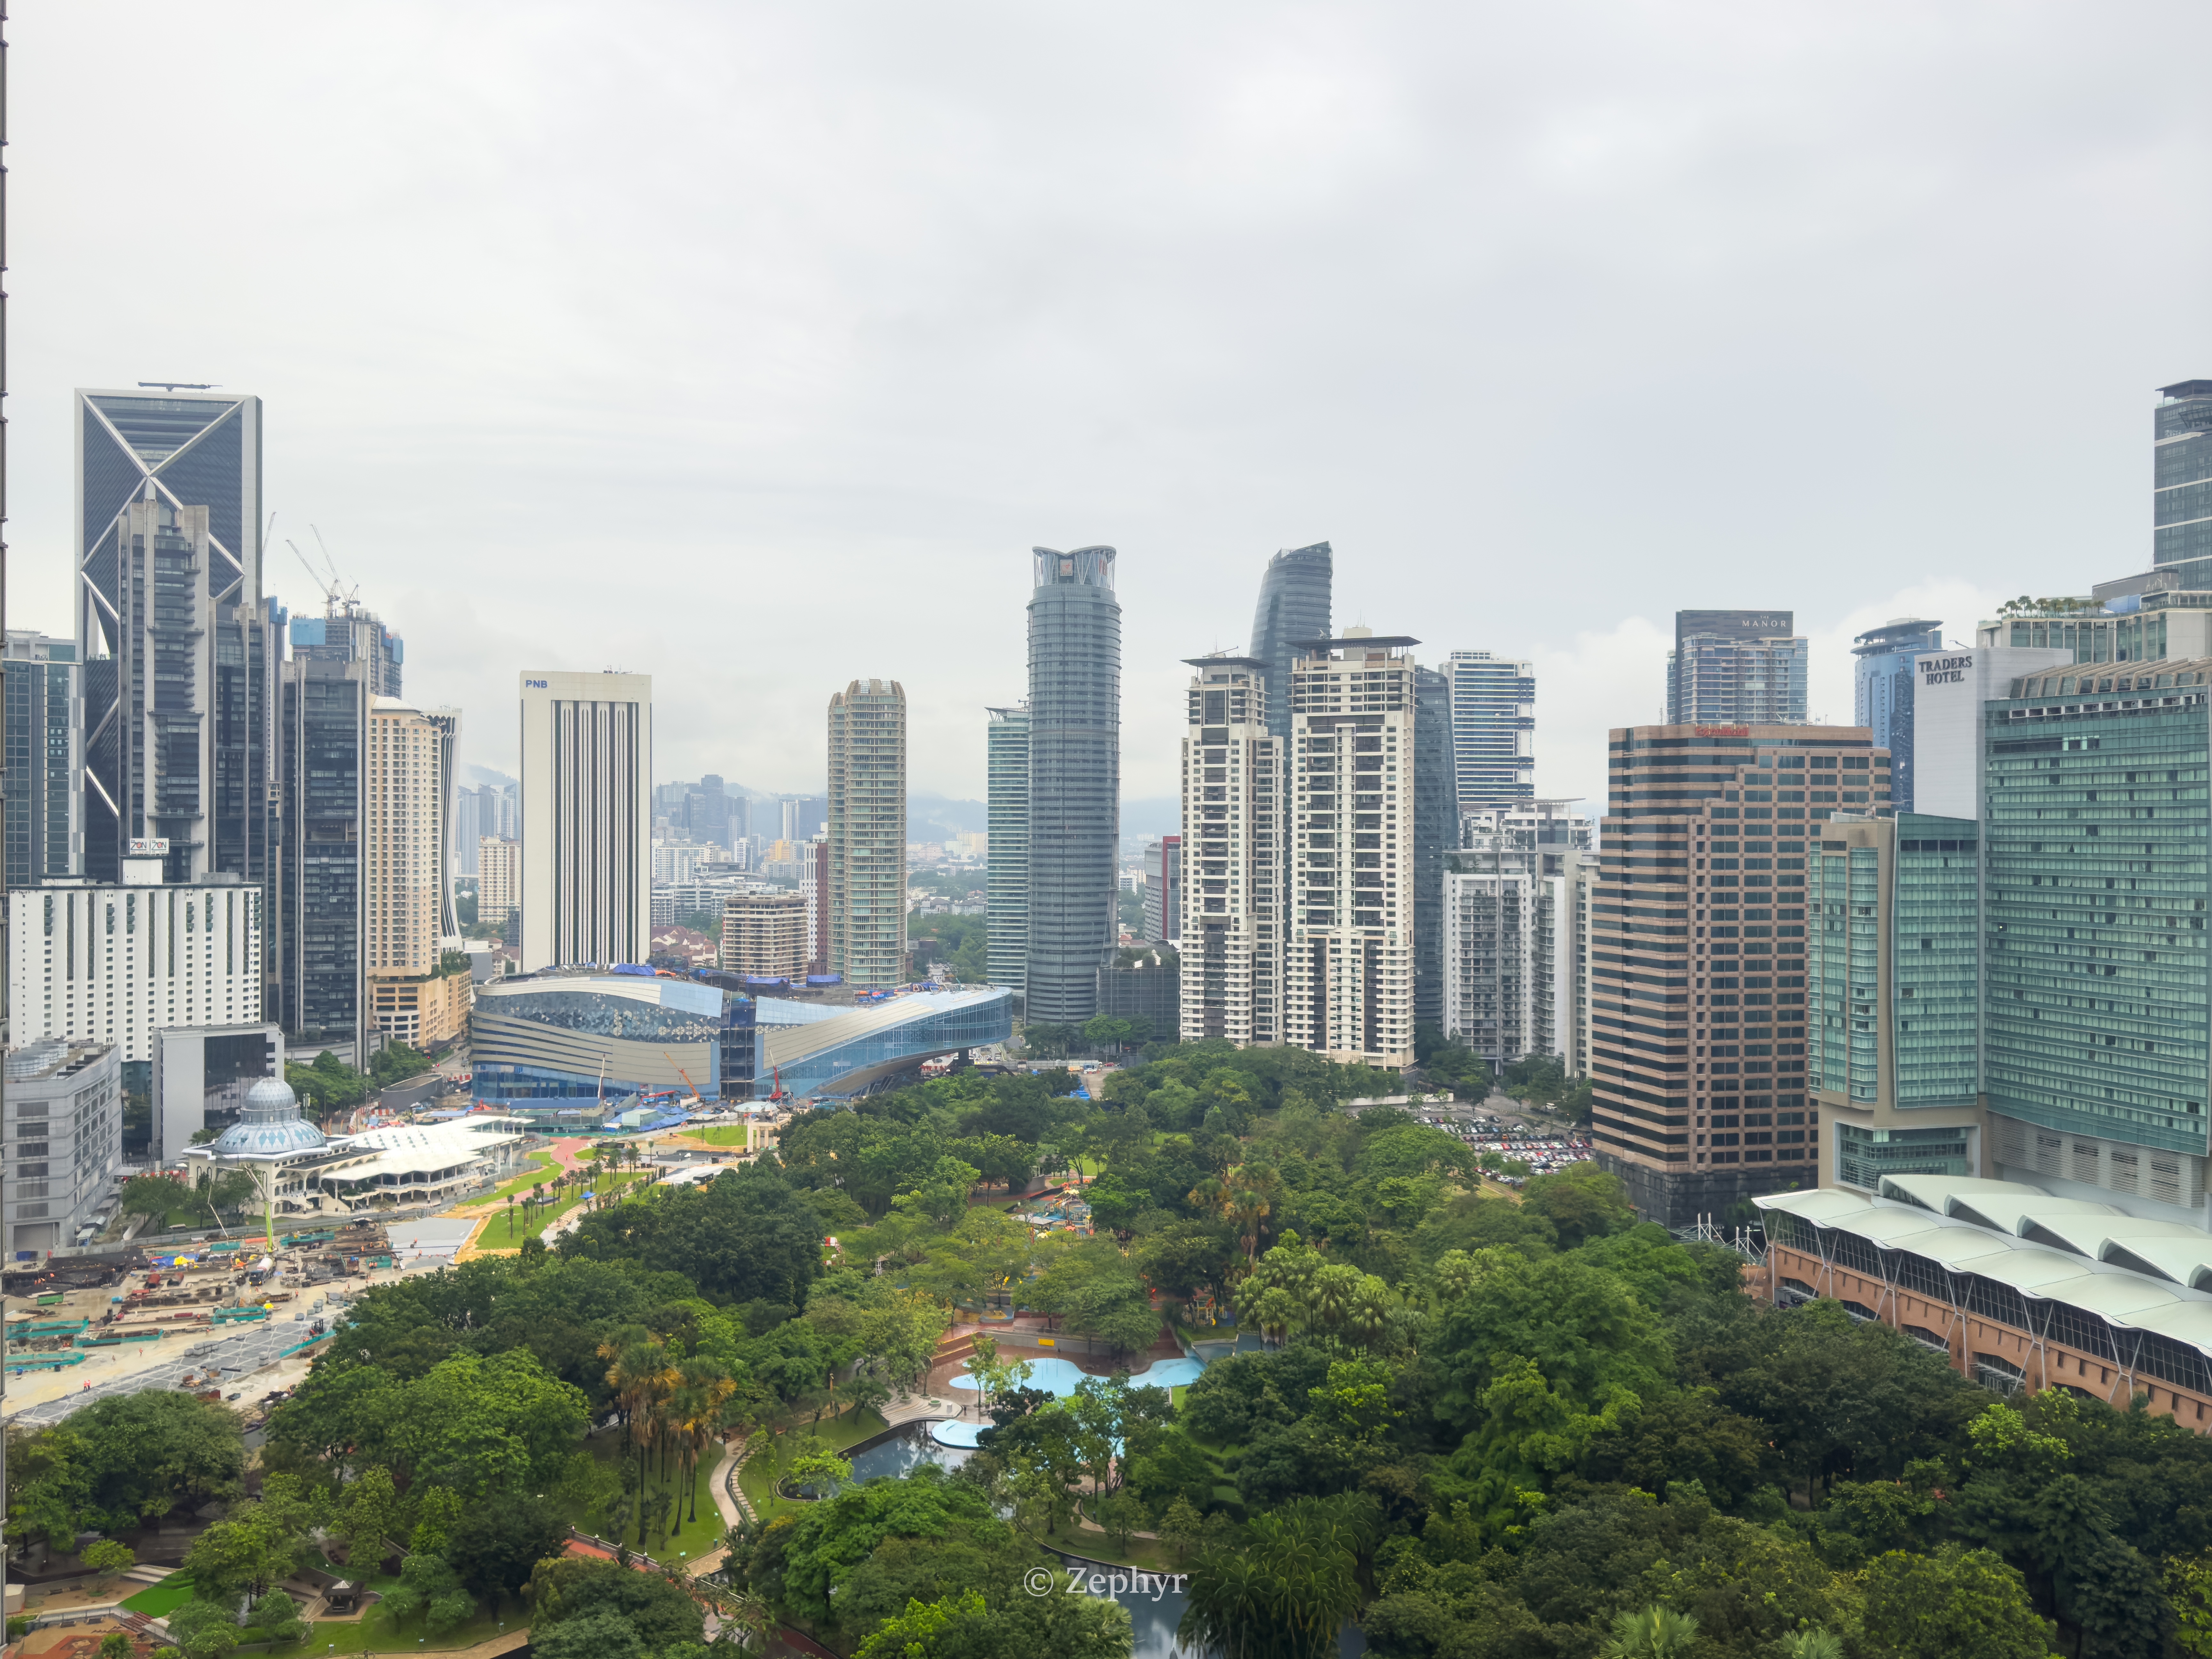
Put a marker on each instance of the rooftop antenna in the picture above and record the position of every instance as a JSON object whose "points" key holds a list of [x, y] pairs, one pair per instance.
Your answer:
{"points": [[178, 385]]}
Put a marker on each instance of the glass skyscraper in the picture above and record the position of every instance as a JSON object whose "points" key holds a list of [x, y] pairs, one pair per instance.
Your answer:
{"points": [[169, 630], [1075, 780], [46, 761], [1006, 879], [2181, 497], [1881, 691], [1293, 611], [1492, 709], [2094, 1013], [1736, 668]]}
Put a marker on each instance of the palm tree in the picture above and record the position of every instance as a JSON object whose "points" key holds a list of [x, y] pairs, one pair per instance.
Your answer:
{"points": [[642, 1379], [1656, 1632], [1209, 1197], [702, 1390]]}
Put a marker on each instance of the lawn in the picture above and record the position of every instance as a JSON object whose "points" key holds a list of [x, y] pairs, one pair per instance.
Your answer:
{"points": [[835, 1434], [376, 1631], [159, 1600], [546, 1171], [721, 1134], [506, 1231], [691, 1537]]}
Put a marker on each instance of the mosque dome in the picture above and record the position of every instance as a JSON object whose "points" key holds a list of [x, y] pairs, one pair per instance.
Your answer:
{"points": [[269, 1126]]}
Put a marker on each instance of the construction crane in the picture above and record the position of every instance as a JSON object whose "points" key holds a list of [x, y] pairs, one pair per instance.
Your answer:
{"points": [[336, 594], [686, 1076]]}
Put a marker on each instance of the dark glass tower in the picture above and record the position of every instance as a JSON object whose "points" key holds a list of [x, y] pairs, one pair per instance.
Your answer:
{"points": [[1294, 610], [1435, 832], [169, 630], [1075, 780], [322, 740]]}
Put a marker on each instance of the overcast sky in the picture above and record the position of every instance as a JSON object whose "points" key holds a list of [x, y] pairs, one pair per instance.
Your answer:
{"points": [[754, 346]]}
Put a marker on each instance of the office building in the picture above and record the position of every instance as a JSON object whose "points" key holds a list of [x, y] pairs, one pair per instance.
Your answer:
{"points": [[63, 1118], [1293, 611], [320, 960], [1007, 882], [172, 632], [803, 817], [1232, 935], [1075, 780], [1435, 833], [494, 811], [445, 751], [347, 632], [1163, 889], [1881, 691], [1509, 894], [765, 935], [867, 833], [405, 891], [1735, 668], [1493, 711], [2181, 490], [199, 1078], [2094, 848], [1144, 985], [1892, 986], [1697, 952], [1348, 976], [115, 965], [586, 818], [45, 759]]}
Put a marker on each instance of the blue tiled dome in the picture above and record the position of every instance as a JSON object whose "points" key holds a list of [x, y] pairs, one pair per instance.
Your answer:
{"points": [[270, 1124]]}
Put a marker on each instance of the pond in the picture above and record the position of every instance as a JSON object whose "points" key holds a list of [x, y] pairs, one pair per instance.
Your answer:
{"points": [[1059, 1378]]}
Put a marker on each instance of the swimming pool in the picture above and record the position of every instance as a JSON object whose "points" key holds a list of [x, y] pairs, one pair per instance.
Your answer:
{"points": [[1058, 1378]]}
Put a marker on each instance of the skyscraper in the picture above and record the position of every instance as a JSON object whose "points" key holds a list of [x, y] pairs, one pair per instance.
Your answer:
{"points": [[1493, 724], [867, 833], [2181, 497], [45, 759], [2095, 850], [1294, 609], [586, 818], [406, 890], [1233, 794], [1698, 946], [1516, 906], [318, 961], [170, 630], [1736, 668], [1163, 890], [1881, 691], [1006, 880], [346, 632], [1435, 832], [1075, 780], [1349, 990]]}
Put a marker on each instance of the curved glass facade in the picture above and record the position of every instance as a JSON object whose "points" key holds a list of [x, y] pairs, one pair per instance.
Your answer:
{"points": [[594, 1038], [846, 1055], [1294, 610], [1075, 780]]}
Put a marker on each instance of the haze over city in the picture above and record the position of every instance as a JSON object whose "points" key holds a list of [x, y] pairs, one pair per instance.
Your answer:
{"points": [[754, 347]]}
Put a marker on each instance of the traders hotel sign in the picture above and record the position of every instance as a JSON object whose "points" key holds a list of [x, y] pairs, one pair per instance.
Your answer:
{"points": [[1944, 670]]}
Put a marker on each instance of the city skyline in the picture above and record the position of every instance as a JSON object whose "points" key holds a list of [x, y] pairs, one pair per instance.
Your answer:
{"points": [[863, 420]]}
